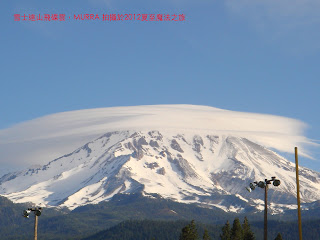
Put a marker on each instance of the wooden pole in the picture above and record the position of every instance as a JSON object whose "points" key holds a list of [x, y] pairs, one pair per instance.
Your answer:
{"points": [[298, 193], [35, 227], [266, 211]]}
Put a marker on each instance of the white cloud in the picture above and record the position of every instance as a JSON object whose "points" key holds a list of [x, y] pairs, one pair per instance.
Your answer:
{"points": [[41, 140]]}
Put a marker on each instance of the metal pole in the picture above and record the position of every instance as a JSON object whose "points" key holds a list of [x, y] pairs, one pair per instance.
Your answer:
{"points": [[266, 211], [36, 227], [298, 193]]}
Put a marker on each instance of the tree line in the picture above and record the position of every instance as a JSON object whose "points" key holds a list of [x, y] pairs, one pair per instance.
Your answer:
{"points": [[238, 231]]}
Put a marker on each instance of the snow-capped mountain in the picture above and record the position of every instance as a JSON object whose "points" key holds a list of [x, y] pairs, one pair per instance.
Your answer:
{"points": [[195, 165], [186, 167]]}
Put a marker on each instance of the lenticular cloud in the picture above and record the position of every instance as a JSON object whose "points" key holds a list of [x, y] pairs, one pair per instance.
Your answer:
{"points": [[41, 140]]}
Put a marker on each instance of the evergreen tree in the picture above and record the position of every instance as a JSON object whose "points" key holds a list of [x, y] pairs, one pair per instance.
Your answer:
{"points": [[236, 231], [247, 233], [226, 232], [279, 237], [189, 232], [206, 235]]}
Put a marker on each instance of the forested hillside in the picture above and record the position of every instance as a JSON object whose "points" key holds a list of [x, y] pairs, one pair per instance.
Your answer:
{"points": [[135, 215]]}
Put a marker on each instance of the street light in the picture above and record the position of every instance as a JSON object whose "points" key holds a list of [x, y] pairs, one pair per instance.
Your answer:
{"points": [[264, 184], [37, 213]]}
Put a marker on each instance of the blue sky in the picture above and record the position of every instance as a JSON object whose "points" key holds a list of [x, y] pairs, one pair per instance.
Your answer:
{"points": [[237, 55]]}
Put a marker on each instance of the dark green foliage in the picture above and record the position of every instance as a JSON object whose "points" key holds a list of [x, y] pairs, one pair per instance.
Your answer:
{"points": [[189, 232], [90, 219], [226, 232], [146, 230], [161, 230], [136, 206], [236, 230], [206, 235], [100, 218], [247, 233], [279, 237]]}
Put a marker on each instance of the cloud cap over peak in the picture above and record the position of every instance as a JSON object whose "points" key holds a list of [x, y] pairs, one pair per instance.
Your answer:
{"points": [[43, 139]]}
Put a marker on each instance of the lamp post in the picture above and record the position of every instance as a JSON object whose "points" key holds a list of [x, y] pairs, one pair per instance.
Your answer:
{"points": [[37, 213], [264, 184]]}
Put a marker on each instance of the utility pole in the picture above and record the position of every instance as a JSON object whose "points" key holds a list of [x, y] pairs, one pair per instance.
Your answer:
{"points": [[298, 193], [264, 184], [35, 227], [266, 211], [37, 213]]}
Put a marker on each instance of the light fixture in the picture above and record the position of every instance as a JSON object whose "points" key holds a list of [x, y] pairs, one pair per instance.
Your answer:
{"points": [[261, 184], [264, 184], [37, 213], [276, 182], [252, 187], [26, 213]]}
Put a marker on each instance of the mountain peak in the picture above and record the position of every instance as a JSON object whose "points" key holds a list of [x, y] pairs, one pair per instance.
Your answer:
{"points": [[205, 168]]}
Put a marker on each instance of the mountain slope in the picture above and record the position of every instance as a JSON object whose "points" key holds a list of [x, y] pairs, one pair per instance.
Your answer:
{"points": [[181, 165]]}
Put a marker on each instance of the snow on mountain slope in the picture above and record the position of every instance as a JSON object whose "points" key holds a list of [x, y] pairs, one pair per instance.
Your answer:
{"points": [[184, 165]]}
